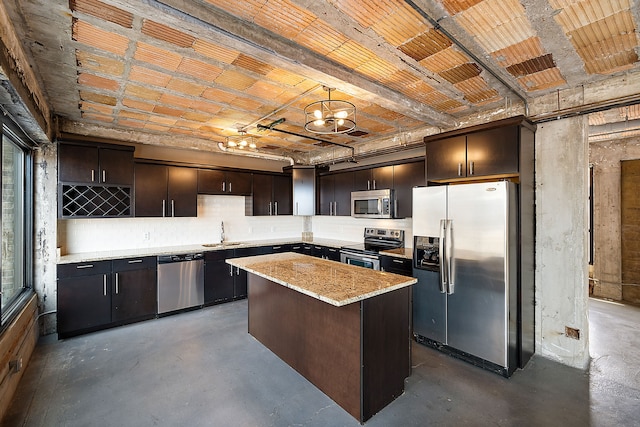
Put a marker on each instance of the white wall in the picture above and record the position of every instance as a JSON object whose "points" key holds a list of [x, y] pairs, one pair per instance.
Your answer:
{"points": [[561, 240]]}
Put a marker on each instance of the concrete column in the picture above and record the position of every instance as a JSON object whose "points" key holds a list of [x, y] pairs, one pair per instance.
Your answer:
{"points": [[562, 327], [45, 223]]}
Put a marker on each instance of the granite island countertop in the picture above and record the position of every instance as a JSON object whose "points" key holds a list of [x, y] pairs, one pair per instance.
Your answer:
{"points": [[329, 281]]}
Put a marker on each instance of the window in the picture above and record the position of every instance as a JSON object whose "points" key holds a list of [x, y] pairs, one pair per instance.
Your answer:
{"points": [[15, 221]]}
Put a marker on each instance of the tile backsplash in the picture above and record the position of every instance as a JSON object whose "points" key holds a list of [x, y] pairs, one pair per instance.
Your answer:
{"points": [[108, 234], [352, 229]]}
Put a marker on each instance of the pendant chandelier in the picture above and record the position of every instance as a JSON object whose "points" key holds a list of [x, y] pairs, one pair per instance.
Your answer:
{"points": [[330, 116], [241, 141]]}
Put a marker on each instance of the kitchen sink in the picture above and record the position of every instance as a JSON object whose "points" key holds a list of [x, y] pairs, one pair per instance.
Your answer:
{"points": [[221, 245]]}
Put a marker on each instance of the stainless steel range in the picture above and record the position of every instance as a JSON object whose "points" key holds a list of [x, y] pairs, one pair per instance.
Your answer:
{"points": [[375, 240]]}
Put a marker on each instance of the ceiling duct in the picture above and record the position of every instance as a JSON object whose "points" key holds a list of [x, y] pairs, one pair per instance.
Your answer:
{"points": [[255, 154]]}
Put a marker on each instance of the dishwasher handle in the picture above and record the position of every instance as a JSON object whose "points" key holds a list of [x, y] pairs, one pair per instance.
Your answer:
{"points": [[166, 259]]}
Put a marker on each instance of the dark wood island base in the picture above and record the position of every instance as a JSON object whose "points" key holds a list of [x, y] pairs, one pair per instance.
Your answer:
{"points": [[357, 354]]}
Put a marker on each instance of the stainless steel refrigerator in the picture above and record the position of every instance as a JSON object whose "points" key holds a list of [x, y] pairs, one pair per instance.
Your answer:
{"points": [[466, 262]]}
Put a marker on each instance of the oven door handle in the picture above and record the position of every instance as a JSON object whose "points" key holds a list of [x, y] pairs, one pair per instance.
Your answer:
{"points": [[361, 256]]}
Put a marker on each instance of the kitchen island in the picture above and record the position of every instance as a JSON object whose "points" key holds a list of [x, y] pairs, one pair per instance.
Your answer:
{"points": [[344, 328]]}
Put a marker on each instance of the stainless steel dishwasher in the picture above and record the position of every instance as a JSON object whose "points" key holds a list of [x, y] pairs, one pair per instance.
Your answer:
{"points": [[180, 282]]}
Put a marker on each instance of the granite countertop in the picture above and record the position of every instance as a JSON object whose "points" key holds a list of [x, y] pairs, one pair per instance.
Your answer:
{"points": [[329, 281], [189, 249], [399, 253]]}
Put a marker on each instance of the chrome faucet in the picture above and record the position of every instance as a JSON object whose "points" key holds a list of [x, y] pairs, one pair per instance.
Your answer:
{"points": [[222, 237]]}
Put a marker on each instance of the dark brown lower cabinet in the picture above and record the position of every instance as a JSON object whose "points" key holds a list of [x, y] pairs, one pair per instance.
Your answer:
{"points": [[223, 282], [396, 265], [84, 301], [134, 289], [99, 295], [218, 277]]}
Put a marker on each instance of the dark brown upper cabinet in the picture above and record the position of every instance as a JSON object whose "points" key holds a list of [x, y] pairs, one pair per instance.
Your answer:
{"points": [[373, 179], [94, 164], [165, 191], [405, 177], [272, 194], [334, 196], [220, 182], [481, 153]]}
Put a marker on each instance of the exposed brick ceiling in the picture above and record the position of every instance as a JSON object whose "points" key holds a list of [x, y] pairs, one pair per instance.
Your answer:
{"points": [[203, 69]]}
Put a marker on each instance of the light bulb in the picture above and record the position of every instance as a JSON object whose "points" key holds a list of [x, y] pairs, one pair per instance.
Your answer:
{"points": [[340, 122], [318, 123], [231, 144], [243, 143], [341, 114], [317, 114], [252, 146]]}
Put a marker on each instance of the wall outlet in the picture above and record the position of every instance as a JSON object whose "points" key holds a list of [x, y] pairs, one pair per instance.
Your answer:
{"points": [[147, 235], [15, 366]]}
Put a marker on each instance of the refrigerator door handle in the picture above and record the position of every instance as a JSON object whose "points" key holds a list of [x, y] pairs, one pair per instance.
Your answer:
{"points": [[441, 257], [451, 275]]}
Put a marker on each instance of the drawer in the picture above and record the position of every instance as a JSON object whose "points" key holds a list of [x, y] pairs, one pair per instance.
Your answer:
{"points": [[84, 269], [138, 263], [396, 265], [218, 255]]}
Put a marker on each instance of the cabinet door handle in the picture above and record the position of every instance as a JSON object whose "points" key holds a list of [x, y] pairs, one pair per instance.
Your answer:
{"points": [[117, 284], [471, 168], [237, 271], [374, 184], [93, 175], [335, 208], [275, 248], [80, 267], [104, 175], [398, 261], [223, 186], [276, 207], [368, 185], [173, 208], [164, 208], [135, 261], [104, 284], [269, 208], [230, 270], [459, 169], [230, 188], [296, 208]]}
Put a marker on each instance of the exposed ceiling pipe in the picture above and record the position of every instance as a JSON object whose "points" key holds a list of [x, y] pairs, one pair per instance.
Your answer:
{"points": [[273, 125], [614, 128], [282, 107], [437, 26], [255, 154]]}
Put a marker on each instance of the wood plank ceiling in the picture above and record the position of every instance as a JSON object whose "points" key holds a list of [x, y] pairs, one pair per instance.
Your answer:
{"points": [[188, 73]]}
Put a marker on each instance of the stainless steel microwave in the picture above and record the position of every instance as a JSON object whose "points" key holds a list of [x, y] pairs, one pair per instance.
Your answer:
{"points": [[373, 204]]}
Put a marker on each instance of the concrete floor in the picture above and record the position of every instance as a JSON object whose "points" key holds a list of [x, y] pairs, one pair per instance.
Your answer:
{"points": [[201, 368]]}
